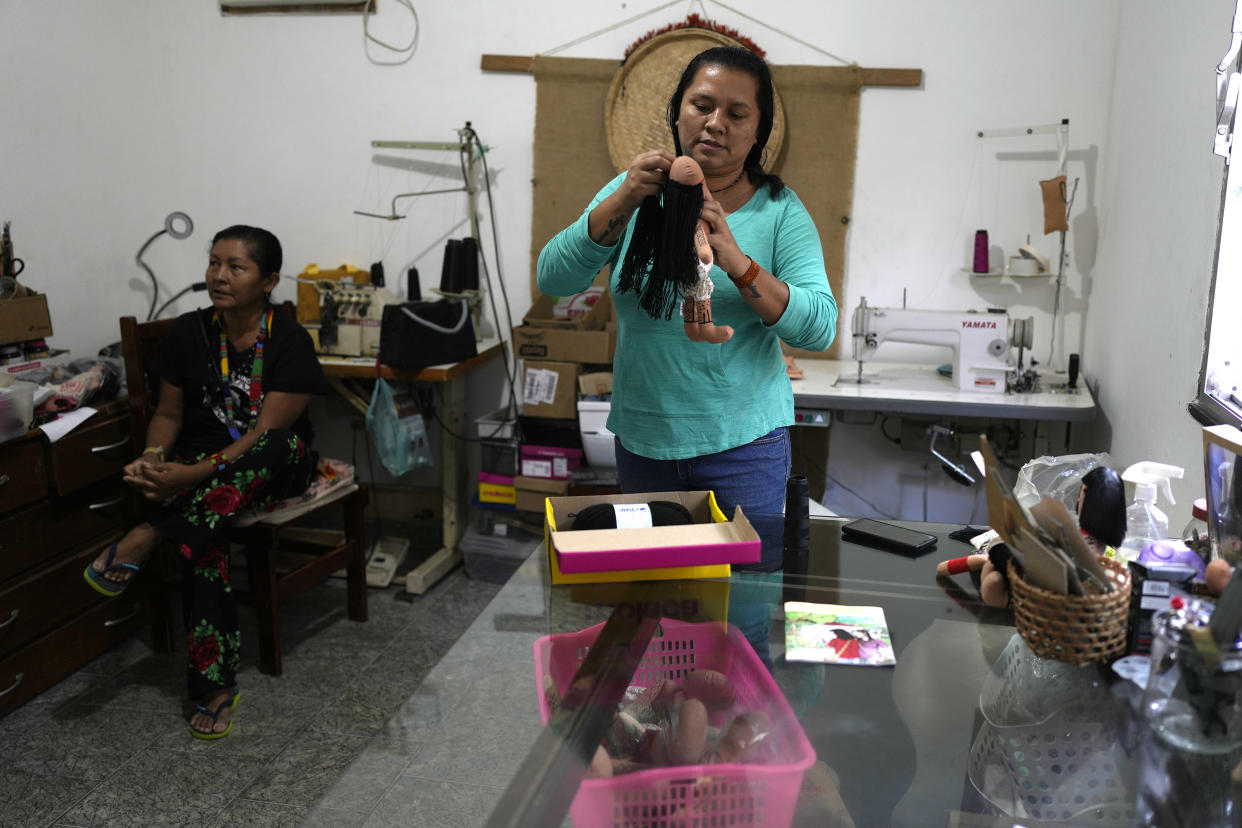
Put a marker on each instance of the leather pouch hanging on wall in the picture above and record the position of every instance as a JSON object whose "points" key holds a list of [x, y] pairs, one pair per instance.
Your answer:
{"points": [[1054, 204], [415, 335]]}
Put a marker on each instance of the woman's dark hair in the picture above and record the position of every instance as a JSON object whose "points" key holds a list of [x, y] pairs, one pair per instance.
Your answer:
{"points": [[844, 635], [1103, 512], [744, 60], [262, 245]]}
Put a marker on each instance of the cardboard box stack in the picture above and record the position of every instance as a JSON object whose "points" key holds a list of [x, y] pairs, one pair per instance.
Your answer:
{"points": [[559, 341], [24, 323]]}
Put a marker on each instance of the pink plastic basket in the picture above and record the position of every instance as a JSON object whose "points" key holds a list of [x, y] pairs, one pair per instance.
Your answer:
{"points": [[761, 792]]}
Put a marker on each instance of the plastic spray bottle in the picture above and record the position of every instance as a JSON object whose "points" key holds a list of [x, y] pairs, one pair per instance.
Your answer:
{"points": [[1144, 520]]}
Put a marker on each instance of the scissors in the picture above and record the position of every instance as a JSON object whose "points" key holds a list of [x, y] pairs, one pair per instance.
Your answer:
{"points": [[9, 264]]}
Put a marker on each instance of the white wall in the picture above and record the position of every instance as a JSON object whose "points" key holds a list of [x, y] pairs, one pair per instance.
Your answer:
{"points": [[1162, 186], [118, 112]]}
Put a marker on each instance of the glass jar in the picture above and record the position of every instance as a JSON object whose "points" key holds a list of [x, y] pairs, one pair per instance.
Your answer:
{"points": [[1192, 725]]}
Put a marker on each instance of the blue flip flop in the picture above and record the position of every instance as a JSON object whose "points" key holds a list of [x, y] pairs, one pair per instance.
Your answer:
{"points": [[229, 704], [103, 585]]}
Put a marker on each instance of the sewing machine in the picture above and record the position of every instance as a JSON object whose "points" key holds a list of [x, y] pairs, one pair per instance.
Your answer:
{"points": [[350, 313], [349, 316], [981, 341]]}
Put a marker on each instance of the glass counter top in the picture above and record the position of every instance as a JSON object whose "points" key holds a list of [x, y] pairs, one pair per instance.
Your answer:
{"points": [[893, 744]]}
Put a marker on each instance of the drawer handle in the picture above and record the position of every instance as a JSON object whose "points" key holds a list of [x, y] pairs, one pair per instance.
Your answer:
{"points": [[12, 617], [107, 505], [13, 686], [110, 446], [117, 621]]}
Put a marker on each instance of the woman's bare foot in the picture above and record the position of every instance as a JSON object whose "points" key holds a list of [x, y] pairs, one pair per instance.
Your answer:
{"points": [[217, 719], [134, 548]]}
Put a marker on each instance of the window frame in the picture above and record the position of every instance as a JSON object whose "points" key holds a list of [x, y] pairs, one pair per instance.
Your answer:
{"points": [[1219, 399]]}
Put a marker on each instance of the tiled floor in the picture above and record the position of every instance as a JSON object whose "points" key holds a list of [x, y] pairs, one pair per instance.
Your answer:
{"points": [[109, 744], [445, 757]]}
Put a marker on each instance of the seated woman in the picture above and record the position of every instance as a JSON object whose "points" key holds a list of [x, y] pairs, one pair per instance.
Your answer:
{"points": [[230, 431]]}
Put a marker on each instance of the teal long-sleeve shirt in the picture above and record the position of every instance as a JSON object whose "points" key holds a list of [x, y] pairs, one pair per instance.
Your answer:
{"points": [[673, 398]]}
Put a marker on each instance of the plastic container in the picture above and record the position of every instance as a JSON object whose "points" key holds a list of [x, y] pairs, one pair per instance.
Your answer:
{"points": [[499, 457], [1192, 717], [597, 441], [492, 555], [1046, 748], [16, 409], [497, 425], [764, 792], [1173, 552]]}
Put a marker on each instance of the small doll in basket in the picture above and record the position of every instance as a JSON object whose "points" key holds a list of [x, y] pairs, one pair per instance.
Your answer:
{"points": [[1101, 518], [669, 252], [1102, 510]]}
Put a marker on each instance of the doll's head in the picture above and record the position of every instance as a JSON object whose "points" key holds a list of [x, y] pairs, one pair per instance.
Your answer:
{"points": [[1102, 506], [661, 253], [685, 170]]}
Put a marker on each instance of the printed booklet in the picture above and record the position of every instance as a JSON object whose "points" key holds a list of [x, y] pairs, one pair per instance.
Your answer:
{"points": [[837, 633]]}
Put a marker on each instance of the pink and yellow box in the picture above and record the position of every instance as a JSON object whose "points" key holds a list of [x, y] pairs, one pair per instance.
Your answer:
{"points": [[703, 549]]}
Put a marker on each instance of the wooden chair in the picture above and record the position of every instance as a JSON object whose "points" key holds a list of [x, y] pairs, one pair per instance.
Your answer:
{"points": [[321, 552]]}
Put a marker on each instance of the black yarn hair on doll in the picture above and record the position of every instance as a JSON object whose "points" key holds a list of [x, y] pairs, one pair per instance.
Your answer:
{"points": [[661, 253], [1103, 512]]}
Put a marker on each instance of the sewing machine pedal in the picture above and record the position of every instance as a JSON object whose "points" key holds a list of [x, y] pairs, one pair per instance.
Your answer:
{"points": [[386, 556]]}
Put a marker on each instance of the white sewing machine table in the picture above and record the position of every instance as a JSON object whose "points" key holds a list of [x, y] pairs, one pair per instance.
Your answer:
{"points": [[454, 485], [912, 388]]}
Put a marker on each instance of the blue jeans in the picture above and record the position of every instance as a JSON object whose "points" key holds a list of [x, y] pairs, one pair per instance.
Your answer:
{"points": [[752, 476]]}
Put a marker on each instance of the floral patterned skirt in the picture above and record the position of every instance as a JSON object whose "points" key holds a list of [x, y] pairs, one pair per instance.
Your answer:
{"points": [[199, 523]]}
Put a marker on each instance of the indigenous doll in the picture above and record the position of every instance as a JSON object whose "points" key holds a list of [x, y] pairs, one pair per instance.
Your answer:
{"points": [[1102, 509], [669, 252]]}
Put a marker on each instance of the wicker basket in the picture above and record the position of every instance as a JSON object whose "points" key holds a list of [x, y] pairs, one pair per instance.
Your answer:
{"points": [[1070, 628], [635, 109]]}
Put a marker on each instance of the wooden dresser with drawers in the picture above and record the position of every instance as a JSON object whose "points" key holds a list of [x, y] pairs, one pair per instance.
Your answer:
{"points": [[60, 504]]}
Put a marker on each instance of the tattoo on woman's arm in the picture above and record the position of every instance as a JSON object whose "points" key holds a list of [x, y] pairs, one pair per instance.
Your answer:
{"points": [[754, 292], [612, 225]]}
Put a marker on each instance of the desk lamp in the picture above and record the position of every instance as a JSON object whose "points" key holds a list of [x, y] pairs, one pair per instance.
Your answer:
{"points": [[179, 226]]}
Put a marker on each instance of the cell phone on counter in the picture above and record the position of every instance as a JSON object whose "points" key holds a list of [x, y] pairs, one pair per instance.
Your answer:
{"points": [[888, 536]]}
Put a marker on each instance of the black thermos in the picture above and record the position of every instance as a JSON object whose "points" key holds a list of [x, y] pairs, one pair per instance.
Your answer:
{"points": [[796, 544]]}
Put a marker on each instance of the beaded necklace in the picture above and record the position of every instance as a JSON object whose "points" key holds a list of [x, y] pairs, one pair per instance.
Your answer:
{"points": [[256, 374]]}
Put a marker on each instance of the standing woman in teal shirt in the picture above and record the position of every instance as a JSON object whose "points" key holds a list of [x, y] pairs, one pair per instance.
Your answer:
{"points": [[692, 415]]}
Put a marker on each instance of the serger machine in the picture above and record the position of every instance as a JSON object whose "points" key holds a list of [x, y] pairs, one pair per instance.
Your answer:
{"points": [[982, 342], [349, 316]]}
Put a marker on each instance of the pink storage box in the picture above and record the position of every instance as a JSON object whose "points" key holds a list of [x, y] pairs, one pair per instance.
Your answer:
{"points": [[764, 792], [496, 479], [553, 462], [711, 540]]}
